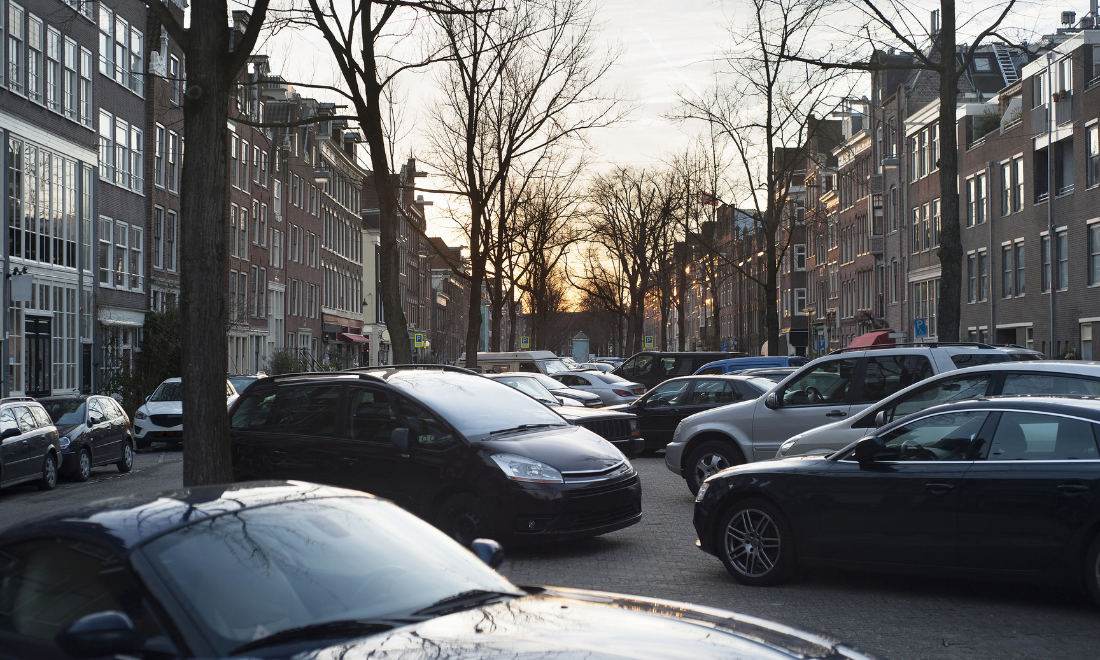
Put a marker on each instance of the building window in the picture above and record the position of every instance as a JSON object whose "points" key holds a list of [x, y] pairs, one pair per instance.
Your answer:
{"points": [[70, 90], [1094, 253], [934, 158], [233, 228], [137, 157], [916, 230], [800, 256], [174, 82], [1063, 167], [256, 165], [1006, 271], [170, 223], [799, 302], [53, 70], [935, 224], [1006, 188], [1092, 164], [15, 48], [173, 161], [158, 157], [1018, 190], [158, 238], [255, 228], [106, 41], [1020, 268], [263, 169], [983, 275], [1063, 261], [35, 34], [972, 278], [1044, 247], [106, 147], [106, 232], [137, 63], [245, 148], [137, 264], [975, 210], [234, 161], [122, 153]]}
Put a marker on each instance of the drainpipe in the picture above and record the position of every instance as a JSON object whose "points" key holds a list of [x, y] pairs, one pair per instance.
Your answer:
{"points": [[1050, 195], [5, 286], [989, 211]]}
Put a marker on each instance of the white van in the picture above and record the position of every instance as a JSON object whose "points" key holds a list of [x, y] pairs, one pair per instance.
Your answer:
{"points": [[529, 361]]}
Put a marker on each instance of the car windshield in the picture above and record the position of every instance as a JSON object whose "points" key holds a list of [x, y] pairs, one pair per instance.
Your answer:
{"points": [[474, 405], [762, 384], [551, 367], [548, 382], [250, 574], [168, 391], [65, 411], [530, 387], [241, 382], [609, 378]]}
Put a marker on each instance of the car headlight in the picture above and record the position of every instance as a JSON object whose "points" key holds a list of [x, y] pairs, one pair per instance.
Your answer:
{"points": [[65, 442], [702, 491], [634, 424], [521, 468], [676, 433], [786, 446], [140, 415]]}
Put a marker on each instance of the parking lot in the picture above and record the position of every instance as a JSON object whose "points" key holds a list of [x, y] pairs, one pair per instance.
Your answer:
{"points": [[896, 617]]}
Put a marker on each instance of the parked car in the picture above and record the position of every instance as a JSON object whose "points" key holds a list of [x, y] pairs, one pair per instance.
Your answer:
{"points": [[826, 390], [30, 448], [619, 428], [239, 383], [662, 408], [612, 389], [94, 430], [1014, 378], [160, 418], [616, 361], [774, 374], [740, 365], [651, 368], [281, 570], [996, 486], [563, 392], [597, 366], [544, 362], [471, 455]]}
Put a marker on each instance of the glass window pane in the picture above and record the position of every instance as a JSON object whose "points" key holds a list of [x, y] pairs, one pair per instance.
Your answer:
{"points": [[893, 373], [827, 383], [306, 410], [668, 394], [1037, 437], [946, 437], [1045, 384]]}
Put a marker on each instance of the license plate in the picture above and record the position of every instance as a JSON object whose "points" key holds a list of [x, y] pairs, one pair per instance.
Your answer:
{"points": [[639, 390], [171, 432]]}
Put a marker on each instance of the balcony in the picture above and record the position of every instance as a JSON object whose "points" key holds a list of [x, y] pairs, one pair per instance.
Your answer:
{"points": [[1039, 121], [876, 246], [1063, 109]]}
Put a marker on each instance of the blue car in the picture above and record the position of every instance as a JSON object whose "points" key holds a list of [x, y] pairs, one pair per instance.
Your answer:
{"points": [[737, 365]]}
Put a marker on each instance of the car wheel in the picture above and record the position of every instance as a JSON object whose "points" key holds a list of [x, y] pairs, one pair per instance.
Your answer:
{"points": [[83, 465], [710, 458], [464, 518], [1092, 569], [49, 474], [755, 543], [127, 462]]}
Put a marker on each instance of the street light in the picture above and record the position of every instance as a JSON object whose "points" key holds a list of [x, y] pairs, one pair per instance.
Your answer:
{"points": [[322, 176]]}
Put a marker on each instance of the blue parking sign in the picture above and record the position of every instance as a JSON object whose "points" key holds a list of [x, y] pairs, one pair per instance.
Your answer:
{"points": [[820, 344], [920, 327]]}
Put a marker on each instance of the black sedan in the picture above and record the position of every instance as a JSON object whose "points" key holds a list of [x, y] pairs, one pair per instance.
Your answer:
{"points": [[94, 430], [281, 570], [997, 486], [663, 407]]}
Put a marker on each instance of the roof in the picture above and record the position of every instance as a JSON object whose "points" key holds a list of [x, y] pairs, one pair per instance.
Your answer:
{"points": [[123, 523], [1087, 407]]}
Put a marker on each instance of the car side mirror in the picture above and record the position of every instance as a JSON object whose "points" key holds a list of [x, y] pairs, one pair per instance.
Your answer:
{"points": [[9, 433], [772, 400], [100, 634], [867, 448], [488, 551], [880, 419], [148, 397], [400, 438]]}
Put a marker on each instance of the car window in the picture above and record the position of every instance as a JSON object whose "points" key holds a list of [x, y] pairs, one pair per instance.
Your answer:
{"points": [[528, 367], [168, 391], [7, 420], [945, 391], [548, 382], [549, 366], [425, 428], [575, 381], [944, 437], [710, 371], [1043, 383], [826, 383], [609, 378], [530, 387], [95, 409], [888, 374], [371, 416], [668, 394], [754, 387], [40, 416], [112, 408], [228, 389], [253, 411], [675, 366], [25, 418], [47, 584], [65, 411], [714, 392], [1039, 437], [306, 410], [963, 360], [637, 366]]}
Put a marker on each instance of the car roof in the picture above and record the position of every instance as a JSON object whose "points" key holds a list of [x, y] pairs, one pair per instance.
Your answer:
{"points": [[1077, 405], [66, 397], [123, 523], [1074, 367]]}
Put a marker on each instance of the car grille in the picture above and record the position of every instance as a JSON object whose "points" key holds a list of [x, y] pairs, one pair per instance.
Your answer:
{"points": [[604, 488], [601, 518], [166, 421], [609, 429]]}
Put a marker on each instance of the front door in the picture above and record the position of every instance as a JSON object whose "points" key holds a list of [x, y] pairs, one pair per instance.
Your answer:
{"points": [[901, 508], [815, 397], [661, 412], [13, 450], [369, 460], [99, 428], [305, 422], [38, 361]]}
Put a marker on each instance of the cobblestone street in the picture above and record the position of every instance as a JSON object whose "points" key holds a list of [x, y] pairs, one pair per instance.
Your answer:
{"points": [[900, 618]]}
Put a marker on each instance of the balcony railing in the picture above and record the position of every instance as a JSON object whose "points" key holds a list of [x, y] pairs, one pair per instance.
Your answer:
{"points": [[1063, 109]]}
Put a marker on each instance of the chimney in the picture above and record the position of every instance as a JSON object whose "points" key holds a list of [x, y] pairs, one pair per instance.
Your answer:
{"points": [[935, 26], [240, 20], [1069, 18]]}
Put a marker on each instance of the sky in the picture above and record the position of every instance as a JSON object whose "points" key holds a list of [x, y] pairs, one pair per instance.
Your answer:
{"points": [[667, 47]]}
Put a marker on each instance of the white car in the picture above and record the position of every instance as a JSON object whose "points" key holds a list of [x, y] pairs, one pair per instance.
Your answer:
{"points": [[827, 390], [612, 389], [1009, 378], [160, 418]]}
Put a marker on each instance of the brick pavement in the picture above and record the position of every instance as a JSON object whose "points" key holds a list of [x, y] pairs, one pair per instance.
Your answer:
{"points": [[898, 617]]}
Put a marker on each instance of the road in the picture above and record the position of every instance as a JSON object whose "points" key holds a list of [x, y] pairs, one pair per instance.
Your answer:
{"points": [[898, 617]]}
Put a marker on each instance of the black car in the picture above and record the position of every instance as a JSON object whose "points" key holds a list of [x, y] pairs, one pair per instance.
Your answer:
{"points": [[651, 368], [473, 456], [30, 449], [665, 406], [290, 570], [94, 430], [619, 428], [563, 391], [1004, 486]]}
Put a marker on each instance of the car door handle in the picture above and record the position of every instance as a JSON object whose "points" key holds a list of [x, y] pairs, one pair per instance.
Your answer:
{"points": [[836, 413], [939, 489], [1073, 489]]}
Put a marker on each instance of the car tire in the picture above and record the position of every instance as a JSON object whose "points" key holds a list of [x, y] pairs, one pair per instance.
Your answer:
{"points": [[755, 543], [83, 465], [1092, 569], [464, 518], [127, 462], [49, 473], [710, 458]]}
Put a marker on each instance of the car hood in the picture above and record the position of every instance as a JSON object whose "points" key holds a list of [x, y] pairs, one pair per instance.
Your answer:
{"points": [[71, 430], [725, 413], [808, 463], [566, 623], [576, 394], [567, 448], [573, 414], [162, 408]]}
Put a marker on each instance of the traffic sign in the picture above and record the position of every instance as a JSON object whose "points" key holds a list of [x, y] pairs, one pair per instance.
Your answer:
{"points": [[725, 346], [920, 327], [418, 340], [525, 342], [649, 341], [820, 344]]}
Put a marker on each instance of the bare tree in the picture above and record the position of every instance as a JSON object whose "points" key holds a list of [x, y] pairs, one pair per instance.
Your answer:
{"points": [[765, 103], [516, 83], [216, 55]]}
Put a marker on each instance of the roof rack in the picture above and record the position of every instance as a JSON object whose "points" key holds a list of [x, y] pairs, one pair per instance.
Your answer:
{"points": [[917, 344], [404, 367], [10, 399]]}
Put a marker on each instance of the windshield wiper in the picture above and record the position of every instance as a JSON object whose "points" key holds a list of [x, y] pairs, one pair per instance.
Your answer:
{"points": [[328, 629], [463, 600], [521, 427]]}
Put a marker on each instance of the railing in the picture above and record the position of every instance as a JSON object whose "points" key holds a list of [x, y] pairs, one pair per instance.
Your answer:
{"points": [[1092, 83], [1063, 109], [1039, 120]]}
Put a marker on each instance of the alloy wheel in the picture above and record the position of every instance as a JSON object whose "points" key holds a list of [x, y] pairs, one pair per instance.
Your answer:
{"points": [[49, 475], [127, 456], [84, 465], [708, 465], [752, 542]]}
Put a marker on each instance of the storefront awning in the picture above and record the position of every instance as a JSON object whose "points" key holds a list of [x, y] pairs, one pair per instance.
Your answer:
{"points": [[355, 338], [879, 338]]}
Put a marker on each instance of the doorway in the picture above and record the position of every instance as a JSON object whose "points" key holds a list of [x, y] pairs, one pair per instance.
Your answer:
{"points": [[37, 341]]}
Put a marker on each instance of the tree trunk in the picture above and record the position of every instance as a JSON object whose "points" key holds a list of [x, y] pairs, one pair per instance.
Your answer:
{"points": [[203, 201], [771, 299], [951, 253], [511, 317], [477, 278]]}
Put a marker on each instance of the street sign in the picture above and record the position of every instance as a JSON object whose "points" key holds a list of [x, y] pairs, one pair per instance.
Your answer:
{"points": [[920, 327], [725, 346], [649, 341], [418, 340], [820, 344], [525, 343]]}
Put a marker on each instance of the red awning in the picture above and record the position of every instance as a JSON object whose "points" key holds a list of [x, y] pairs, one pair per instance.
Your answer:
{"points": [[350, 337], [878, 338]]}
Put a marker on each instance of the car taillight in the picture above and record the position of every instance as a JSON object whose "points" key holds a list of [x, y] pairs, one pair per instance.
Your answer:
{"points": [[623, 392]]}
